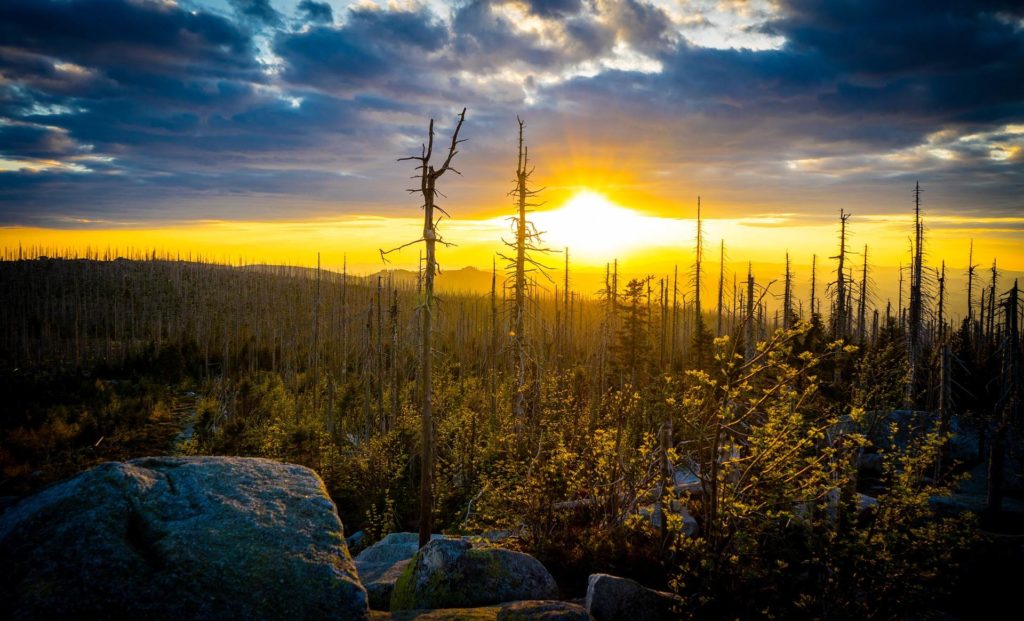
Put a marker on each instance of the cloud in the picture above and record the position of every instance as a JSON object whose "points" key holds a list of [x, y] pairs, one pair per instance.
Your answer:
{"points": [[319, 12], [101, 34], [35, 141], [257, 10], [370, 48], [555, 8]]}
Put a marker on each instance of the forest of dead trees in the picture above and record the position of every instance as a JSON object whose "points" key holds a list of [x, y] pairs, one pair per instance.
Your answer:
{"points": [[556, 414]]}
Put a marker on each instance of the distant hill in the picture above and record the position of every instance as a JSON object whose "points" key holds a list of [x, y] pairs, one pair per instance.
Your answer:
{"points": [[463, 280]]}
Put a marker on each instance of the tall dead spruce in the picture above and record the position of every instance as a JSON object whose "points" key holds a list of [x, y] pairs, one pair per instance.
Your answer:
{"points": [[520, 267], [428, 176]]}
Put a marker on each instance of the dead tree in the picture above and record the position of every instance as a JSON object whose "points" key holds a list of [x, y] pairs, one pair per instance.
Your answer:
{"points": [[787, 297], [748, 338], [675, 318], [493, 342], [379, 368], [1008, 403], [814, 275], [344, 318], [991, 321], [915, 319], [316, 340], [970, 282], [525, 244], [567, 305], [862, 303], [702, 338], [428, 176], [839, 309], [941, 332], [396, 406], [721, 283], [699, 256]]}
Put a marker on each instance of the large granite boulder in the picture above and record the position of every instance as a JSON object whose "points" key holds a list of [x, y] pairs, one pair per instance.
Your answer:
{"points": [[180, 538], [610, 598], [452, 573]]}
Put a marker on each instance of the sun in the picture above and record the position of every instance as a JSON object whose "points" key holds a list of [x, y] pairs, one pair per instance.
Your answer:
{"points": [[596, 230]]}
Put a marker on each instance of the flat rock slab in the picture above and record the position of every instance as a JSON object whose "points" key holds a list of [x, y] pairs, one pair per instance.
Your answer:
{"points": [[514, 611], [180, 538], [485, 613], [543, 611]]}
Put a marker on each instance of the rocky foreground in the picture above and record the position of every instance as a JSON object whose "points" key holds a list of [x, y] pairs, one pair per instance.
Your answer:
{"points": [[245, 538]]}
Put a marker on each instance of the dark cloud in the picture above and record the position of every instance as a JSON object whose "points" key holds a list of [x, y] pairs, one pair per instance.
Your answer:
{"points": [[319, 12], [115, 33], [371, 47], [34, 141], [258, 10], [642, 25], [59, 199], [555, 8], [959, 61]]}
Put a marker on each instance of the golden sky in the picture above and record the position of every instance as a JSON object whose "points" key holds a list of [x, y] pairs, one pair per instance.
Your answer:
{"points": [[595, 229]]}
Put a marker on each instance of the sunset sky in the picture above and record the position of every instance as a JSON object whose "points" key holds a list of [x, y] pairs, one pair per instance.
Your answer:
{"points": [[269, 129]]}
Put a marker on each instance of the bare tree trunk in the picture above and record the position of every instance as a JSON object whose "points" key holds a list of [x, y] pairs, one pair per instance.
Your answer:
{"points": [[916, 303], [839, 309], [493, 344], [675, 315], [942, 303], [519, 289], [1008, 403], [567, 310], [787, 297], [862, 303], [721, 284], [428, 179], [344, 318], [749, 337], [380, 354], [396, 387], [316, 341], [814, 274], [970, 282]]}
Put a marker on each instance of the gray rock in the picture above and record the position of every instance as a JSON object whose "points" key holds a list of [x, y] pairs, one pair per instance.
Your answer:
{"points": [[452, 573], [412, 539], [392, 548], [673, 507], [686, 480], [356, 541], [382, 583], [610, 598], [543, 611], [180, 538], [377, 565], [385, 554]]}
